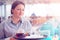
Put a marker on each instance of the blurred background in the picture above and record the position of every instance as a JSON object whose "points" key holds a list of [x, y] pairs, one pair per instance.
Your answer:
{"points": [[37, 7], [45, 12]]}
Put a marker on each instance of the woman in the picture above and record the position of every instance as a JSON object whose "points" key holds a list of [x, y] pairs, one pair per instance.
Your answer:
{"points": [[9, 27]]}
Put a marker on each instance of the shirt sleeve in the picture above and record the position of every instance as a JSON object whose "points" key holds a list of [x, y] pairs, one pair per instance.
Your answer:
{"points": [[2, 37], [5, 39]]}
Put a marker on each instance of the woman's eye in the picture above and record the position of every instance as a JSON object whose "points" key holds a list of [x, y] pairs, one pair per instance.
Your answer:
{"points": [[18, 9], [22, 9]]}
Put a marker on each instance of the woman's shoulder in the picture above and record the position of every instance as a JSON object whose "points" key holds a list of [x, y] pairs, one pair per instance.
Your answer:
{"points": [[5, 21], [25, 20]]}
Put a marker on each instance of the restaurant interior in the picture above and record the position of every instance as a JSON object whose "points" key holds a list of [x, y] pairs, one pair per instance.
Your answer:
{"points": [[42, 14]]}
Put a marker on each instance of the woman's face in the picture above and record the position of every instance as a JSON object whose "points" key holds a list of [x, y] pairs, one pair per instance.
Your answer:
{"points": [[18, 11]]}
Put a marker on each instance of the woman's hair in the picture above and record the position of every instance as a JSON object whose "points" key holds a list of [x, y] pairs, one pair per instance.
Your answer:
{"points": [[15, 4]]}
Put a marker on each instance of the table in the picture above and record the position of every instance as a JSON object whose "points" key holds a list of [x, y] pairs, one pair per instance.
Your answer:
{"points": [[33, 37], [30, 39]]}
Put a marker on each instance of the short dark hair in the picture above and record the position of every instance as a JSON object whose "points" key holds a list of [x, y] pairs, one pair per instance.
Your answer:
{"points": [[15, 4]]}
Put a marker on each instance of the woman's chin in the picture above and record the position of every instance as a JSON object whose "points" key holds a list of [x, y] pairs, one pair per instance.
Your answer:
{"points": [[18, 17]]}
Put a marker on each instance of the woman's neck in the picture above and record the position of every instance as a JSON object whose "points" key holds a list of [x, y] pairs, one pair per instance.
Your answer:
{"points": [[15, 20]]}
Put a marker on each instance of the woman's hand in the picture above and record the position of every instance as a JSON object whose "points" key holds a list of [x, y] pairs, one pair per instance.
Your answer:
{"points": [[27, 34], [12, 38]]}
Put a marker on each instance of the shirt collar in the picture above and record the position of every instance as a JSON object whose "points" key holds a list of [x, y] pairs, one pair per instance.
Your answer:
{"points": [[17, 23], [10, 20]]}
